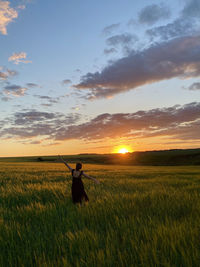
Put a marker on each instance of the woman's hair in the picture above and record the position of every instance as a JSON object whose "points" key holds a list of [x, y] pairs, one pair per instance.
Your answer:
{"points": [[78, 166]]}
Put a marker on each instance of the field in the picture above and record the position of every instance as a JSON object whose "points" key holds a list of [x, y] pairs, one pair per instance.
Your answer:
{"points": [[137, 216]]}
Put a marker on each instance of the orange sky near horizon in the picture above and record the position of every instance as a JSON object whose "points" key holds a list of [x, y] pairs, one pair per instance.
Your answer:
{"points": [[13, 149]]}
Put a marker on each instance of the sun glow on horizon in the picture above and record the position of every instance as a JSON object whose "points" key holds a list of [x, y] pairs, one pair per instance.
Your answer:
{"points": [[123, 150]]}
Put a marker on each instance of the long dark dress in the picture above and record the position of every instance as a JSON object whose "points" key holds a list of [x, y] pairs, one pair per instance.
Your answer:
{"points": [[78, 192]]}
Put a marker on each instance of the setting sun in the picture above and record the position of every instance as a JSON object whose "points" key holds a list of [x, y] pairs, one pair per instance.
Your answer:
{"points": [[123, 150]]}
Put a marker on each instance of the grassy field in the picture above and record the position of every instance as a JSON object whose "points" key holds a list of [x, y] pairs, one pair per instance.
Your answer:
{"points": [[137, 216]]}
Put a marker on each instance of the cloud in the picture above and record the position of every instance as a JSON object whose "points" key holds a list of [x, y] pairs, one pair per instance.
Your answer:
{"points": [[121, 39], [43, 97], [21, 7], [153, 13], [111, 28], [108, 51], [178, 122], [176, 58], [19, 58], [132, 22], [35, 142], [7, 15], [124, 41], [186, 24], [50, 100], [78, 107], [14, 90], [5, 99], [181, 122], [5, 74], [33, 123], [33, 116], [194, 86], [32, 85], [192, 9], [77, 70], [66, 82], [179, 27], [11, 73]]}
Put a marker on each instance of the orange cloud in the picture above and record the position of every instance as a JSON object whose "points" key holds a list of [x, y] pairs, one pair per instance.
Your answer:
{"points": [[18, 58], [177, 122], [7, 15]]}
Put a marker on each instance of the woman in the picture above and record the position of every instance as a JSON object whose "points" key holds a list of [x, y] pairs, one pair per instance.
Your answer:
{"points": [[78, 192]]}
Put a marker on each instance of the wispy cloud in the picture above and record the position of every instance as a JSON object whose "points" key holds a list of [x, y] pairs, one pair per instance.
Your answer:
{"points": [[125, 40], [111, 50], [186, 24], [11, 72], [14, 90], [78, 107], [194, 86], [5, 98], [32, 85], [179, 27], [192, 9], [21, 7], [5, 74], [120, 42], [153, 13], [19, 58], [111, 28], [66, 82], [49, 101], [176, 58]]}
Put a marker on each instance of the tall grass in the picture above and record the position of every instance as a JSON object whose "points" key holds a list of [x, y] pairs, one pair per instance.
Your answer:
{"points": [[137, 216]]}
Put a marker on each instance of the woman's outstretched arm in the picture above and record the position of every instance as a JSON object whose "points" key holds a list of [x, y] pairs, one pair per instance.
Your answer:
{"points": [[65, 163], [92, 178]]}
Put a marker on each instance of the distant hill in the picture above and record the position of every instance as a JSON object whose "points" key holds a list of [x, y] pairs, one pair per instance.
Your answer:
{"points": [[155, 158]]}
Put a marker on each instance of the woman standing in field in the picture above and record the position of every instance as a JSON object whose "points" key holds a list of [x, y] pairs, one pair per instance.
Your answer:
{"points": [[78, 192]]}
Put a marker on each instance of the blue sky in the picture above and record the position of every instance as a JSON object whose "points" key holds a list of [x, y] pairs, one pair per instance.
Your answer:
{"points": [[63, 64]]}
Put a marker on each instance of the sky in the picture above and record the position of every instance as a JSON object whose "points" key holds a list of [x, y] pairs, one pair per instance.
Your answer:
{"points": [[96, 76]]}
